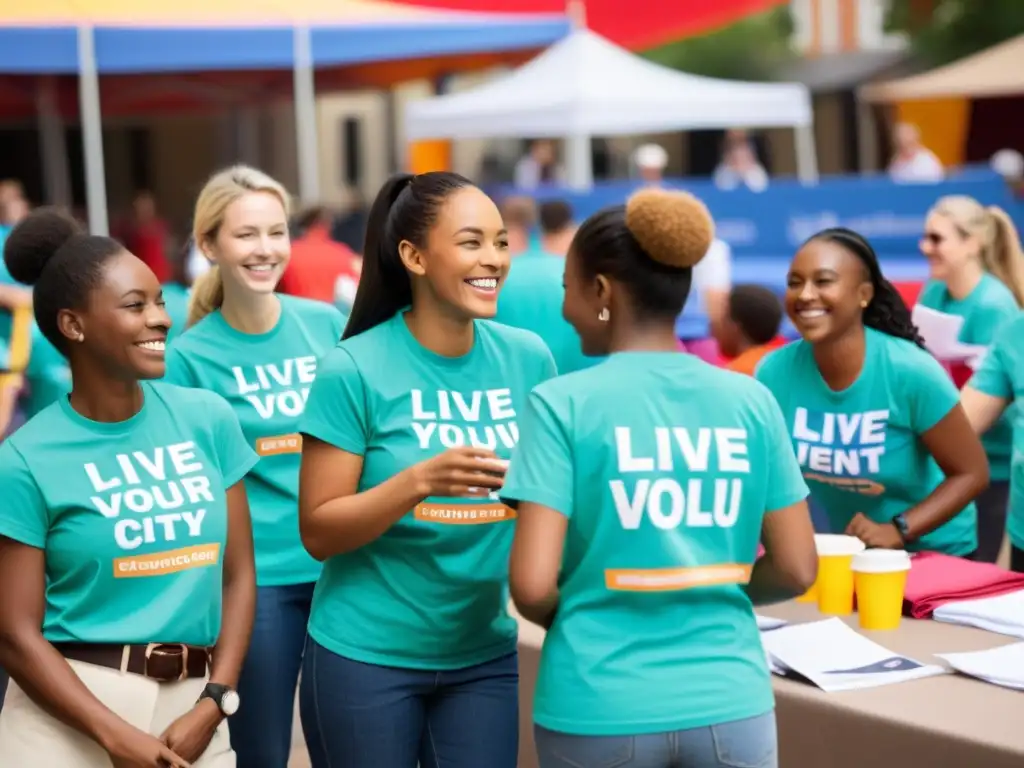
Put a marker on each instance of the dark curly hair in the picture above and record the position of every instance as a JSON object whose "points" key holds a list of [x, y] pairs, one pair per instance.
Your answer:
{"points": [[886, 312], [49, 251]]}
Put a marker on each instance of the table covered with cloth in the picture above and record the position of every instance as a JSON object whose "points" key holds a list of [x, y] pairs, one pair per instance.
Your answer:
{"points": [[941, 722]]}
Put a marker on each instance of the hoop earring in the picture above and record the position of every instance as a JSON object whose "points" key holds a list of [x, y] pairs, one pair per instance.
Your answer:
{"points": [[604, 315]]}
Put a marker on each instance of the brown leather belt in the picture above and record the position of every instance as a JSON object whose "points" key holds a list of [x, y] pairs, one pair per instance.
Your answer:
{"points": [[164, 662]]}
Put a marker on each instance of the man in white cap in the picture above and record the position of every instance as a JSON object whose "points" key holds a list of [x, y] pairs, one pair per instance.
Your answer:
{"points": [[651, 160]]}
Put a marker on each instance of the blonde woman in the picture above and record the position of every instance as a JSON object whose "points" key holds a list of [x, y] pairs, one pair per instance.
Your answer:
{"points": [[259, 350], [977, 273]]}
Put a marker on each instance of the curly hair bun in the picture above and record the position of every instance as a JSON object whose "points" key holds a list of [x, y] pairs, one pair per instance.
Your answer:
{"points": [[674, 228], [35, 240]]}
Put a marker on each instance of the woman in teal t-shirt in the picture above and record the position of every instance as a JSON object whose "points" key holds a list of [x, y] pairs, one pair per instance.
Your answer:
{"points": [[259, 350], [643, 486], [874, 419], [124, 525], [408, 427], [977, 273], [997, 386]]}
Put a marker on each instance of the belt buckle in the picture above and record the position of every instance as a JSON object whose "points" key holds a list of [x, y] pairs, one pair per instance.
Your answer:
{"points": [[160, 651]]}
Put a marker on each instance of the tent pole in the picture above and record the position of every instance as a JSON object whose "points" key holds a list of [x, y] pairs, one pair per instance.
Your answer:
{"points": [[305, 116], [579, 162], [806, 154], [54, 155], [92, 132]]}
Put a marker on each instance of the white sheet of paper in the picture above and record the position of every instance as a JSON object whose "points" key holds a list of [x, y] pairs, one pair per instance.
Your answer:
{"points": [[765, 623], [940, 331], [1000, 666], [837, 658]]}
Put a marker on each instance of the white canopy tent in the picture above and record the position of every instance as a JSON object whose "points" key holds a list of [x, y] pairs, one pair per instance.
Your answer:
{"points": [[586, 86]]}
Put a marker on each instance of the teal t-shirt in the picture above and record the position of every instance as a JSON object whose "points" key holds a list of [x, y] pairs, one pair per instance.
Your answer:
{"points": [[132, 516], [665, 467], [432, 592], [861, 448], [531, 298], [984, 310], [266, 378], [47, 376], [1001, 375], [176, 303]]}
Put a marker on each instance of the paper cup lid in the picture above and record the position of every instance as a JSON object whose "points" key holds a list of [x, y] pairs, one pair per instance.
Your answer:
{"points": [[881, 561], [829, 544]]}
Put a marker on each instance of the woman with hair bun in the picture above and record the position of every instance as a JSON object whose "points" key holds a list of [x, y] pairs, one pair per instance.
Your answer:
{"points": [[125, 526], [874, 419], [642, 487]]}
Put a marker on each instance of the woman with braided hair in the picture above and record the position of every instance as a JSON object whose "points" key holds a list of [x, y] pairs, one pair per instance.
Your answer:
{"points": [[874, 419]]}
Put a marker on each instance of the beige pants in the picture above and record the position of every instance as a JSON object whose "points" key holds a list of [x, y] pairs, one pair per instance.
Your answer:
{"points": [[30, 737]]}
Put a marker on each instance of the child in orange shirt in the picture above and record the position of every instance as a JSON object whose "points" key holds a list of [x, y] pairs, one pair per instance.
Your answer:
{"points": [[751, 327]]}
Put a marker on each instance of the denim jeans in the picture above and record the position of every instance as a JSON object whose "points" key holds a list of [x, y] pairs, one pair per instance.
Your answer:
{"points": [[749, 743], [261, 730], [992, 504], [358, 715]]}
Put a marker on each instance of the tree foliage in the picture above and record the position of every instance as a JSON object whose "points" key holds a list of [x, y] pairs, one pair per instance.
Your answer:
{"points": [[749, 49], [942, 31]]}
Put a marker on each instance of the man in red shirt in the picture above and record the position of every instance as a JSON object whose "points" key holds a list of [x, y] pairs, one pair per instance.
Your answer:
{"points": [[146, 235], [318, 262]]}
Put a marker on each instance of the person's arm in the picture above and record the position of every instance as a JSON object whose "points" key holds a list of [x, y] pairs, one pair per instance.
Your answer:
{"points": [[239, 591], [539, 485], [536, 561], [14, 296], [959, 453], [335, 518], [789, 564], [982, 410], [991, 389], [31, 661]]}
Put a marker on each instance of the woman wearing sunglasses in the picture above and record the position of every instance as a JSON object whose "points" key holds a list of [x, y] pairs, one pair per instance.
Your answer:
{"points": [[977, 273]]}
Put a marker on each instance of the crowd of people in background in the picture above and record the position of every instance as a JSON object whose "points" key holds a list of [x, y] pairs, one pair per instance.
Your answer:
{"points": [[273, 463]]}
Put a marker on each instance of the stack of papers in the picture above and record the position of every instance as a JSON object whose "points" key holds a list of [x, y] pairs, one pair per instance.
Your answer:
{"points": [[941, 334], [1003, 614], [836, 658], [765, 623], [1001, 666]]}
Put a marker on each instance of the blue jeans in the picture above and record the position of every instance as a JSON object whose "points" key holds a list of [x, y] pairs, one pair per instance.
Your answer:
{"points": [[358, 715], [261, 730], [747, 743]]}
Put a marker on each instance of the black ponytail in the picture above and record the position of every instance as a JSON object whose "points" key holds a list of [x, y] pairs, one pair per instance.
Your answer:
{"points": [[887, 312], [405, 208]]}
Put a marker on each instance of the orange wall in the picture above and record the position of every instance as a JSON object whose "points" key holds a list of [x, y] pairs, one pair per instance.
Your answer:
{"points": [[943, 124]]}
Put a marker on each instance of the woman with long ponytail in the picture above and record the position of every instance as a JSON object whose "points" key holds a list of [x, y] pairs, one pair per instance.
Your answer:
{"points": [[977, 273], [411, 658]]}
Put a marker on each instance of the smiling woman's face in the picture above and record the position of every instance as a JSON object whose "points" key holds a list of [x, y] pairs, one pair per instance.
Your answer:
{"points": [[826, 290], [252, 247], [124, 324], [466, 257]]}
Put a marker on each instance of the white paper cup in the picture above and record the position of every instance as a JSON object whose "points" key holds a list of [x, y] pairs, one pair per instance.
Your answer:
{"points": [[838, 545]]}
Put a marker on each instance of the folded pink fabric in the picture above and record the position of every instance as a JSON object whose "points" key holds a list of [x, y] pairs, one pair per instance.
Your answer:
{"points": [[936, 579]]}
